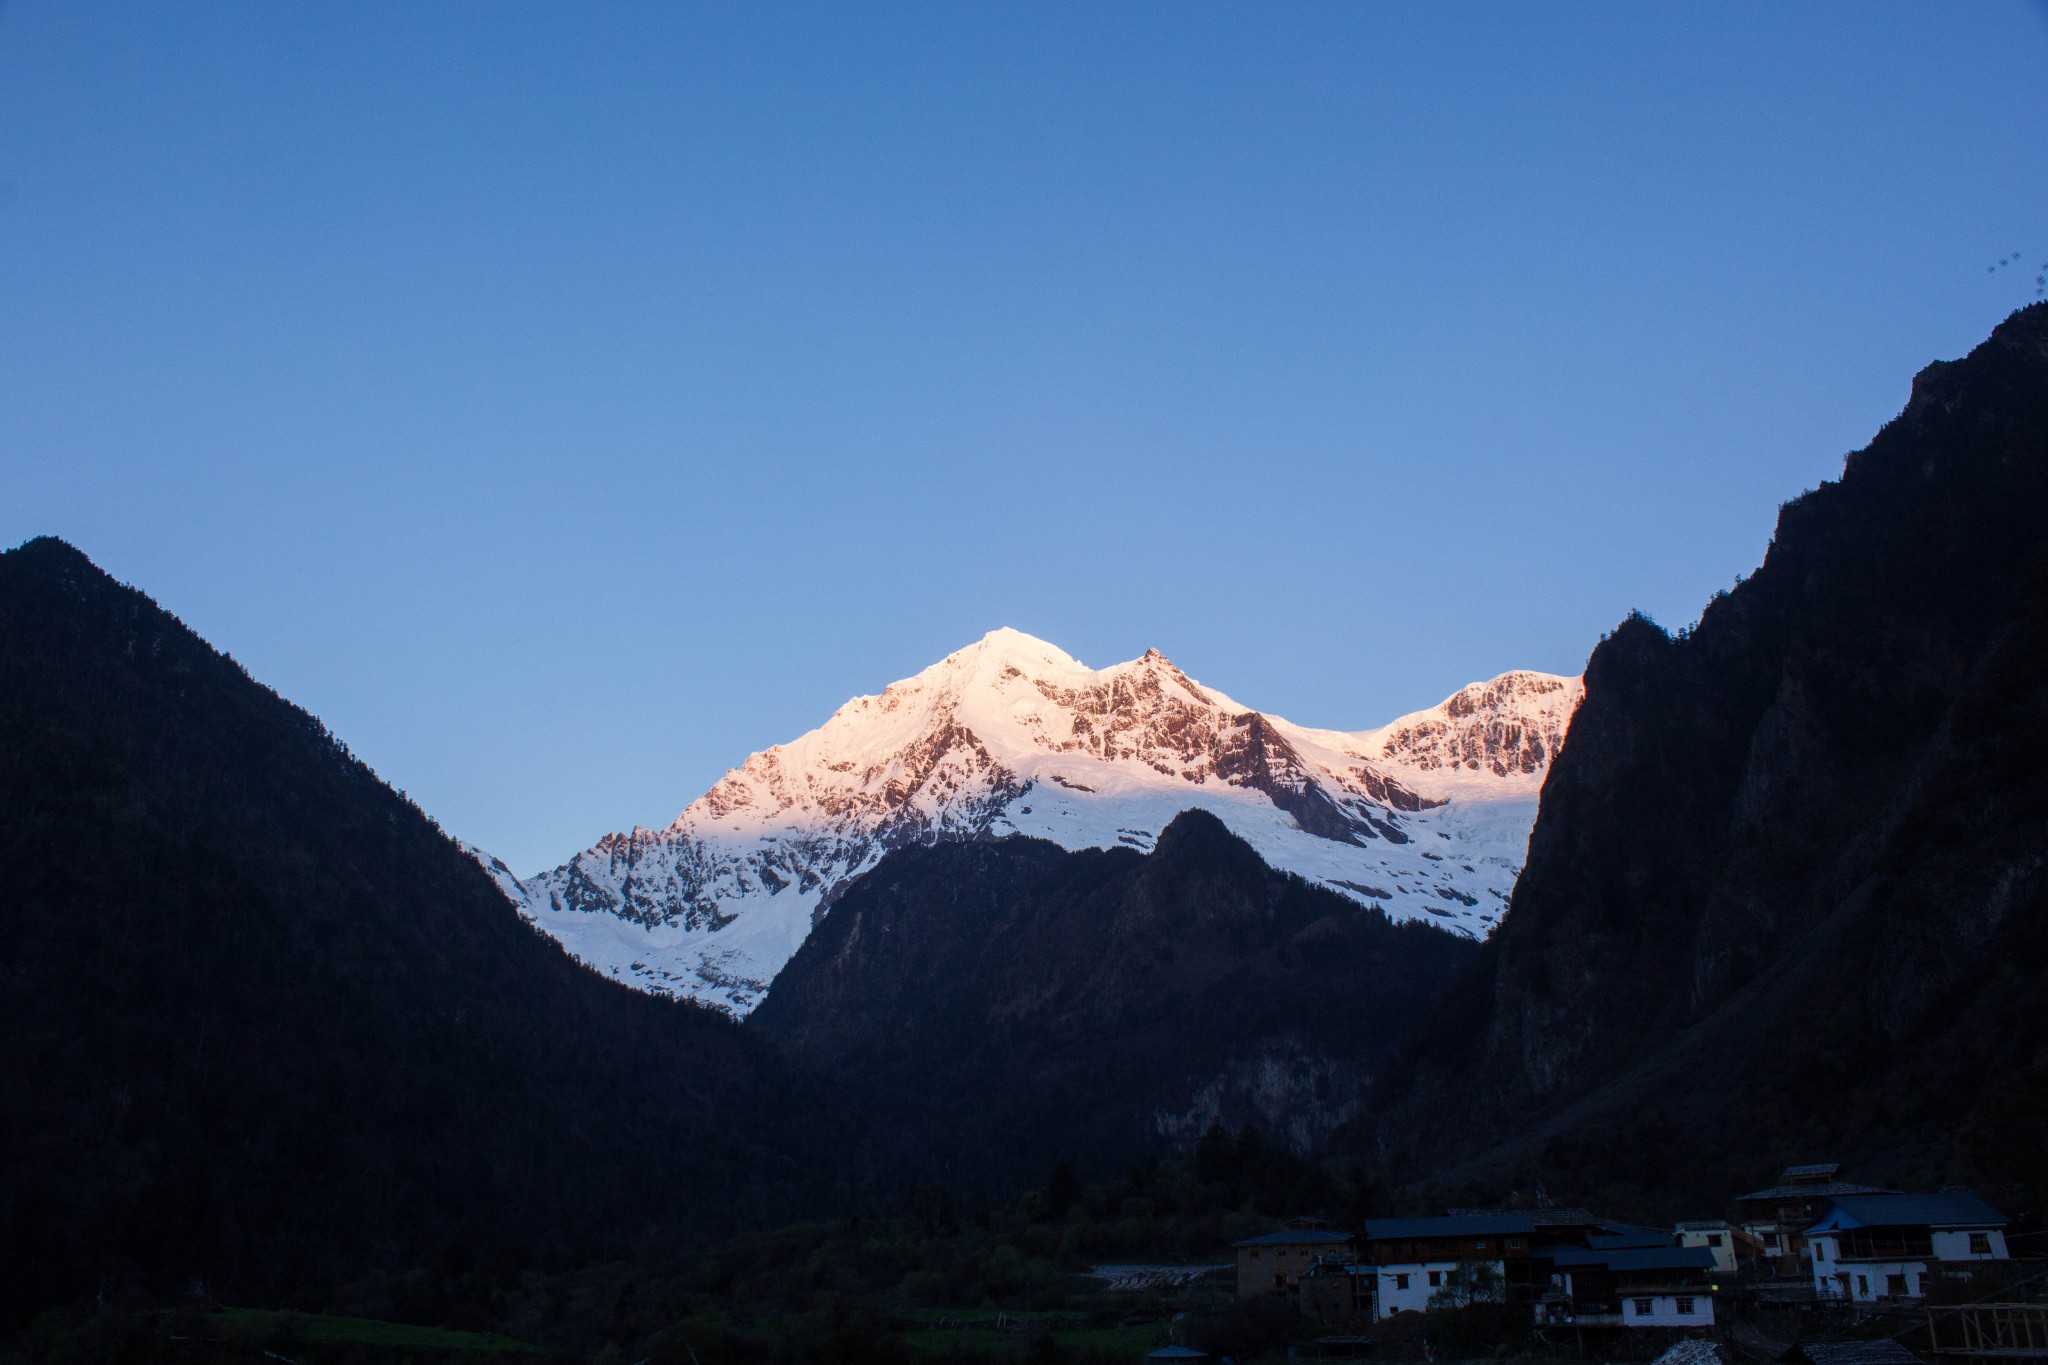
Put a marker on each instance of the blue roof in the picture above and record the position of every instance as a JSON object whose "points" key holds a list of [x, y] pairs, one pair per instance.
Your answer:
{"points": [[1296, 1237], [1451, 1225], [1633, 1237], [1176, 1353], [1948, 1209], [1634, 1258]]}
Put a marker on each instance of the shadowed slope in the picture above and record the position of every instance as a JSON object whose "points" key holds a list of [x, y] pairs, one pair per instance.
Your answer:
{"points": [[268, 1027], [1785, 891], [1034, 1003]]}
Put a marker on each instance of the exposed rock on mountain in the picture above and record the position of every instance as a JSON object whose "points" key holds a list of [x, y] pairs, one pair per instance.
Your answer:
{"points": [[1427, 817], [266, 1027], [1025, 1003], [1786, 891]]}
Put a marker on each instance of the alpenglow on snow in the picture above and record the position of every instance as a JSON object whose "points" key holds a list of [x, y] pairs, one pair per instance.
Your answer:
{"points": [[1426, 817]]}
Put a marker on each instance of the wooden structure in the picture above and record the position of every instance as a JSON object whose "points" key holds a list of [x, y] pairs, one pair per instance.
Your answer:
{"points": [[1997, 1331], [1774, 1220]]}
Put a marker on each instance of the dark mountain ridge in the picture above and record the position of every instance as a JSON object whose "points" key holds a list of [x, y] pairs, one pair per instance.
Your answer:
{"points": [[1028, 1003], [1785, 892], [267, 1027]]}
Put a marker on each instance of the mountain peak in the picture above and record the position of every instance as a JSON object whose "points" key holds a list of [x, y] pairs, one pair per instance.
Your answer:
{"points": [[1002, 648], [51, 555], [36, 546], [1013, 736]]}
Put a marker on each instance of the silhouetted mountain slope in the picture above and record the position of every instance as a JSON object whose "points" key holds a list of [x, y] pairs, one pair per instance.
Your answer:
{"points": [[1033, 1003], [266, 1026], [1786, 884]]}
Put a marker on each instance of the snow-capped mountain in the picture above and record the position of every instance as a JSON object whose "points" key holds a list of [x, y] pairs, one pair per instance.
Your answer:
{"points": [[1427, 816]]}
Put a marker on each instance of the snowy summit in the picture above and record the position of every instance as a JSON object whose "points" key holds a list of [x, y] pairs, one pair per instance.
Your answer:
{"points": [[1427, 816]]}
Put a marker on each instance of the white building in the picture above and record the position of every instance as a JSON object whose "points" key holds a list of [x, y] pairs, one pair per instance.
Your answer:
{"points": [[1414, 1258], [1887, 1246]]}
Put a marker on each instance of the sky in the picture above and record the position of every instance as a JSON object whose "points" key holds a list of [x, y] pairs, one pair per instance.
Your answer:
{"points": [[563, 401]]}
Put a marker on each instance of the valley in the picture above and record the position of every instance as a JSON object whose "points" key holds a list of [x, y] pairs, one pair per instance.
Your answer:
{"points": [[1018, 968]]}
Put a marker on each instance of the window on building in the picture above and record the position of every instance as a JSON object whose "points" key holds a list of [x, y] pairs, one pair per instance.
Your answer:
{"points": [[1643, 1307], [1515, 1243], [1980, 1244], [1279, 1280], [1820, 1250], [1436, 1278], [1713, 1239], [1862, 1286], [1685, 1305], [1255, 1253], [1400, 1282], [1895, 1285]]}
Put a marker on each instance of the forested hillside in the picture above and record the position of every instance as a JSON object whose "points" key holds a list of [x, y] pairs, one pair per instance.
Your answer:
{"points": [[268, 1028]]}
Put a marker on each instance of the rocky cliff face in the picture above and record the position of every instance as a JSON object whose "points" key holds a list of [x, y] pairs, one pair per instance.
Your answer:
{"points": [[1025, 1003], [1783, 853], [1425, 818]]}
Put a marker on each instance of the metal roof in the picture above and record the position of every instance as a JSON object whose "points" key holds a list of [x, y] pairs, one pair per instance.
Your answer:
{"points": [[1703, 1225], [1819, 1170], [1948, 1209], [1450, 1225], [1634, 1258], [1176, 1353], [1296, 1237], [1884, 1351], [1812, 1191]]}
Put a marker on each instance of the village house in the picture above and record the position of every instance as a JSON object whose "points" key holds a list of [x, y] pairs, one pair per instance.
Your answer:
{"points": [[1867, 1247], [1775, 1219], [1715, 1235], [1854, 1242], [1630, 1282], [1276, 1262], [1413, 1258]]}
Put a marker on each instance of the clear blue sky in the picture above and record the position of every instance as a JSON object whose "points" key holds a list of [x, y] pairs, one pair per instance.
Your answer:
{"points": [[564, 400]]}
